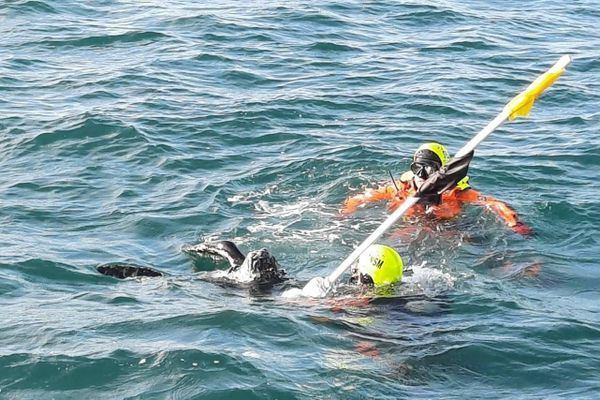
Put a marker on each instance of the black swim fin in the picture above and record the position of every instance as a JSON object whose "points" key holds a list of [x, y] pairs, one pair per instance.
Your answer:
{"points": [[444, 179]]}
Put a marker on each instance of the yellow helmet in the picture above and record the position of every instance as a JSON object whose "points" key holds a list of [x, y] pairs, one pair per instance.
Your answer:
{"points": [[432, 152], [382, 264]]}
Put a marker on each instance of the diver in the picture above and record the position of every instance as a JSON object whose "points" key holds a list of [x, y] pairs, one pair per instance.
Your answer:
{"points": [[427, 160], [379, 265]]}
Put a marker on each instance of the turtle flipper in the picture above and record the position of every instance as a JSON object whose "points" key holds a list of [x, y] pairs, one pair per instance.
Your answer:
{"points": [[222, 249], [122, 270]]}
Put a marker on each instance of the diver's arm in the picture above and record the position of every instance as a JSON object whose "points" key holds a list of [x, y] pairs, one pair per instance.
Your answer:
{"points": [[368, 196], [500, 208]]}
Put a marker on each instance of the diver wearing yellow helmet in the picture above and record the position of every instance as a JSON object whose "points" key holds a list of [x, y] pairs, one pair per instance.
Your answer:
{"points": [[379, 265], [428, 159]]}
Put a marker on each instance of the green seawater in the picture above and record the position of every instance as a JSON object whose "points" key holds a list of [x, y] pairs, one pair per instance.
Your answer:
{"points": [[130, 128]]}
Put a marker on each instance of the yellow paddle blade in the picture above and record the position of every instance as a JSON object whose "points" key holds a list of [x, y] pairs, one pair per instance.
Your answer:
{"points": [[522, 103]]}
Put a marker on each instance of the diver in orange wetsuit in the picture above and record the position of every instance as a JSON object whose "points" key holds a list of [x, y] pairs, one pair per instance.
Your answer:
{"points": [[428, 159]]}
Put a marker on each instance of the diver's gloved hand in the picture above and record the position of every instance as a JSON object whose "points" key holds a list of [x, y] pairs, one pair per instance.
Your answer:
{"points": [[522, 229], [317, 287]]}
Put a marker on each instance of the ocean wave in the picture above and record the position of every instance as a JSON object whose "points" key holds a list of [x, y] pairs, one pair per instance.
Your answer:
{"points": [[103, 40], [31, 6]]}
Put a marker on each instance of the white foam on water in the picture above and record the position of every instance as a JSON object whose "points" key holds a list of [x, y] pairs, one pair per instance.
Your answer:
{"points": [[251, 197], [429, 281], [289, 221], [252, 354]]}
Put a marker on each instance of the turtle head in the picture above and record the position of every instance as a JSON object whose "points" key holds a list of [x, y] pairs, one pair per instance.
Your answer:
{"points": [[260, 267]]}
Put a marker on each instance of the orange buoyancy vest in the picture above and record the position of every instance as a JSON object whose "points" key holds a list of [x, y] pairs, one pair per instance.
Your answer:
{"points": [[450, 205]]}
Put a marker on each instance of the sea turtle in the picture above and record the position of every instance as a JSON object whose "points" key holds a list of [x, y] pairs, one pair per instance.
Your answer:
{"points": [[258, 266]]}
